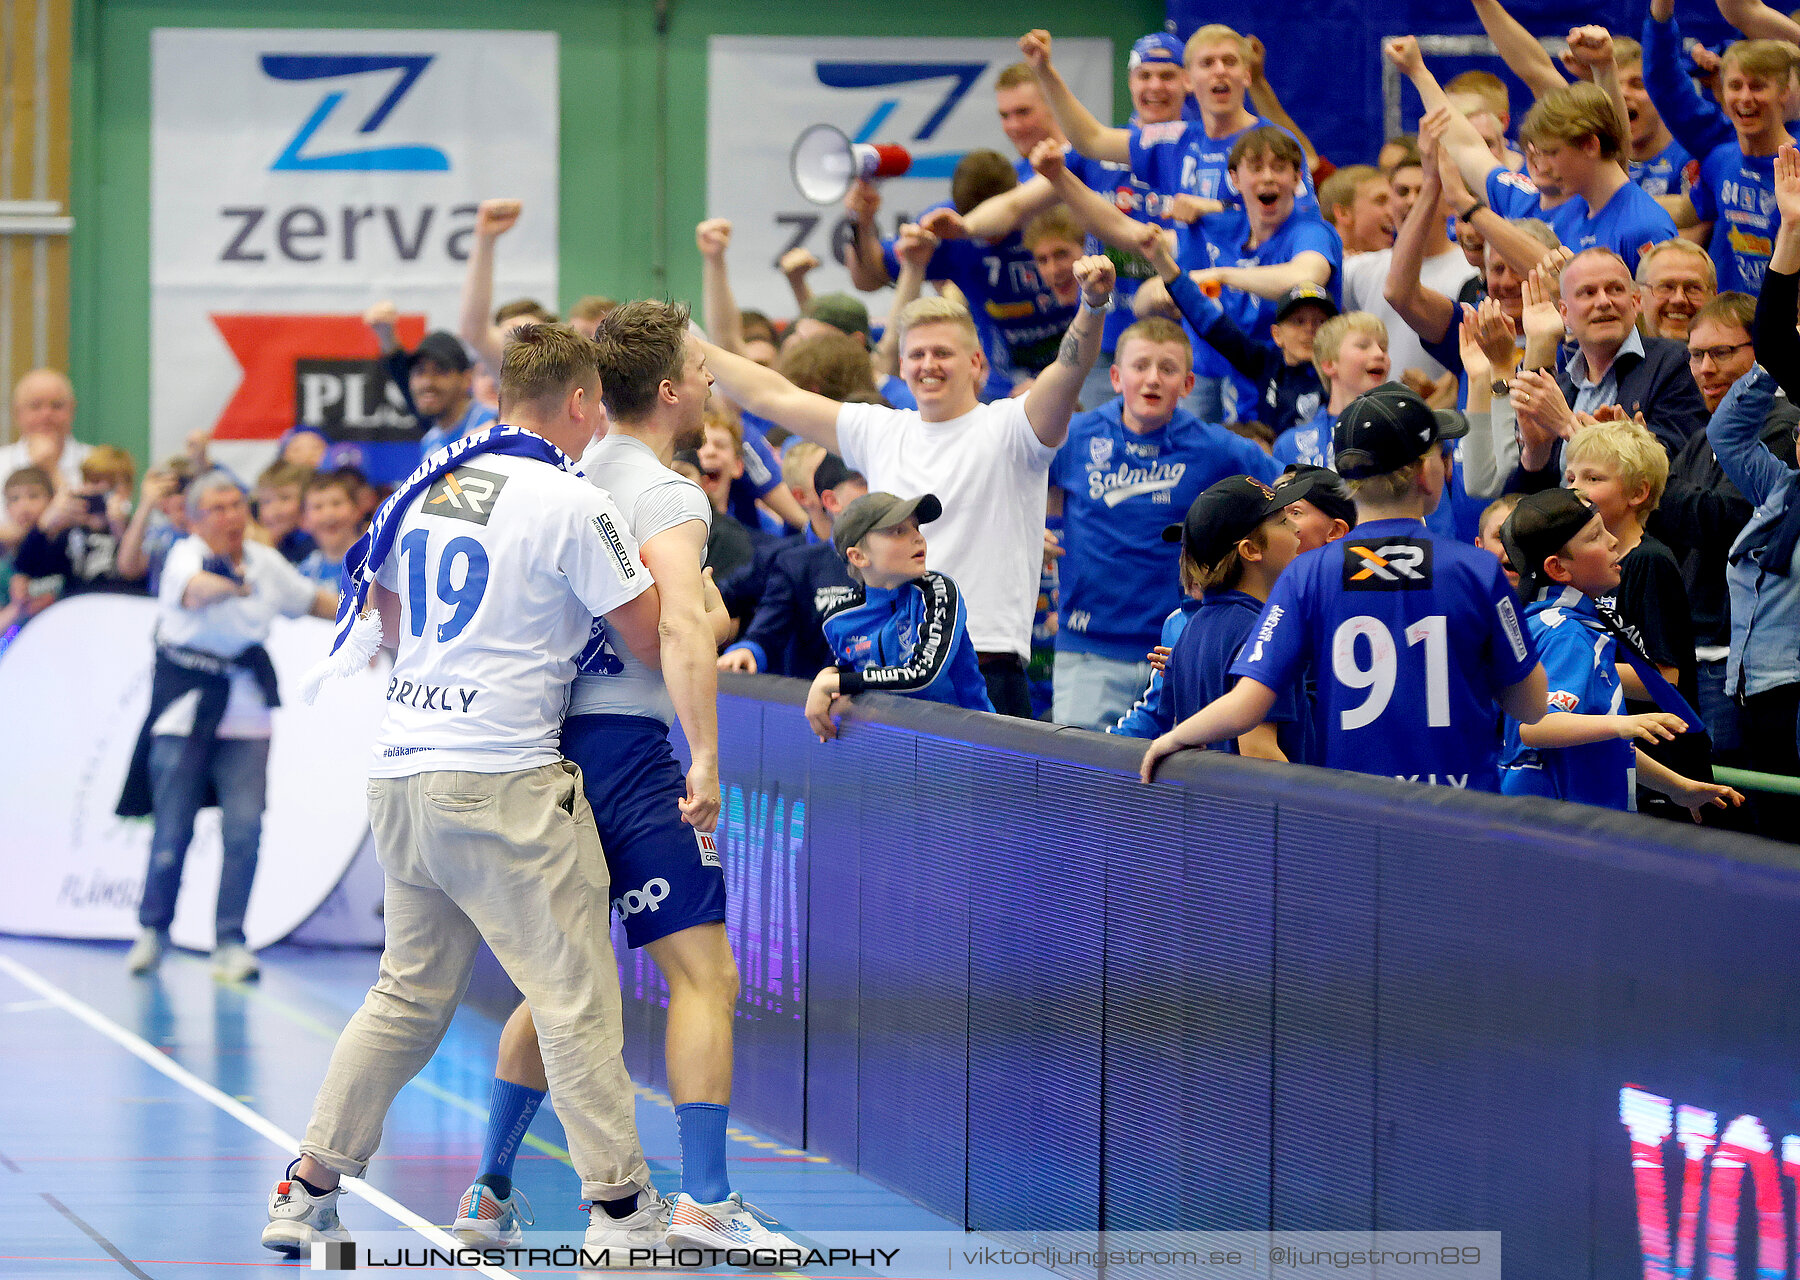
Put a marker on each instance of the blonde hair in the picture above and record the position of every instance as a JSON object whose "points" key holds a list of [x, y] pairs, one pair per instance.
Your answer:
{"points": [[1015, 75], [1638, 456], [936, 310], [1330, 338], [108, 464], [1627, 51], [1675, 244], [1155, 329], [799, 462], [1571, 113], [1339, 190], [1388, 488], [1214, 33], [1055, 223], [1487, 86], [1766, 59]]}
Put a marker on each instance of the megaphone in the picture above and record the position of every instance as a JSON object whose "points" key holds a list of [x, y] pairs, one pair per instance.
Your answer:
{"points": [[825, 162]]}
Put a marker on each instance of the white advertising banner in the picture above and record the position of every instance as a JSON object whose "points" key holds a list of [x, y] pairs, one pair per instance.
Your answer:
{"points": [[79, 677], [933, 97], [299, 176]]}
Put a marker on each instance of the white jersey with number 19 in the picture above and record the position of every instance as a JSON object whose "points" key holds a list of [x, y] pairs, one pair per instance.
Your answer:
{"points": [[501, 567]]}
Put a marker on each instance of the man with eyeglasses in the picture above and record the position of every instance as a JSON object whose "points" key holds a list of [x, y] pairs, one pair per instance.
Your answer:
{"points": [[1675, 279]]}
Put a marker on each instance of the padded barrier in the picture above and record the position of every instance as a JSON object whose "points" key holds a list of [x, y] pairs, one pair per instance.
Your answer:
{"points": [[985, 966]]}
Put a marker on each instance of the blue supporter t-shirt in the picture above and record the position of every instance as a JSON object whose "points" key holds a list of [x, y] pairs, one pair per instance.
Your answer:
{"points": [[1736, 193], [1225, 242], [1412, 639], [1176, 157], [1199, 670], [1019, 319], [1138, 200], [1308, 444], [1629, 223], [1513, 195], [1665, 173], [762, 475], [1118, 578], [1580, 659]]}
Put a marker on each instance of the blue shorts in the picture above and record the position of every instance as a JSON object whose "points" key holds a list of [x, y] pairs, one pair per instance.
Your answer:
{"points": [[665, 875]]}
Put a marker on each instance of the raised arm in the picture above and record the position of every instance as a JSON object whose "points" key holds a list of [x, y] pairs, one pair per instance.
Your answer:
{"points": [[1426, 311], [1268, 104], [1758, 21], [1777, 343], [1695, 122], [769, 395], [493, 219], [998, 216], [863, 257], [796, 264], [913, 247], [1592, 47], [1093, 212], [1052, 396], [1473, 159], [1519, 49], [1274, 279], [1232, 715], [724, 322], [1094, 140]]}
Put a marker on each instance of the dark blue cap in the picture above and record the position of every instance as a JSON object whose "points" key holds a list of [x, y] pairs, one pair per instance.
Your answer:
{"points": [[1158, 46]]}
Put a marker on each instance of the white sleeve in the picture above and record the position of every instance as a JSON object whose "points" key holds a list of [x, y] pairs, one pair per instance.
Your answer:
{"points": [[668, 505], [179, 568], [598, 555], [293, 593], [1017, 437], [856, 424]]}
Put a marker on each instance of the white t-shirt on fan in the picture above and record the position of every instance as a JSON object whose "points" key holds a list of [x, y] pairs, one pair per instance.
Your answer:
{"points": [[991, 472], [1365, 277]]}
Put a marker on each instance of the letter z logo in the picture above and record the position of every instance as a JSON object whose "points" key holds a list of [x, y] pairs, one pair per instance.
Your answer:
{"points": [[1401, 565], [464, 494], [333, 66]]}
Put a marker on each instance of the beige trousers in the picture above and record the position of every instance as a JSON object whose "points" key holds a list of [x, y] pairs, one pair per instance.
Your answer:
{"points": [[512, 858]]}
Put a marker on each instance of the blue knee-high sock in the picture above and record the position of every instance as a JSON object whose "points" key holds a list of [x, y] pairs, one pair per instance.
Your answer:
{"points": [[702, 1128], [510, 1108]]}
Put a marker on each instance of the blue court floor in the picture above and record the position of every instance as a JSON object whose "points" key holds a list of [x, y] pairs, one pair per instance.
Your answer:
{"points": [[109, 1167]]}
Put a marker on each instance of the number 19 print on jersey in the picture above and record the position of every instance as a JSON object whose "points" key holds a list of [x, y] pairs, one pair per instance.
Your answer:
{"points": [[1411, 640]]}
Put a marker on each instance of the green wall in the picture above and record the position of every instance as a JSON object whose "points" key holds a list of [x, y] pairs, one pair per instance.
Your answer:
{"points": [[611, 240]]}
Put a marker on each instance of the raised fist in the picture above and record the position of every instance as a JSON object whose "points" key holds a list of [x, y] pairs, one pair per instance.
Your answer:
{"points": [[1034, 47], [797, 262], [1096, 275], [496, 217], [713, 236], [382, 313], [1404, 54]]}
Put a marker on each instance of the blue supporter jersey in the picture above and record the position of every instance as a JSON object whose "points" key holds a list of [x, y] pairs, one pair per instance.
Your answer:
{"points": [[1736, 193], [1665, 173], [1225, 242], [911, 639], [1580, 659], [1513, 195], [1200, 669], [762, 475], [1153, 714], [1118, 578], [1412, 639], [1136, 199], [1020, 321], [1628, 224], [1177, 158], [1308, 444]]}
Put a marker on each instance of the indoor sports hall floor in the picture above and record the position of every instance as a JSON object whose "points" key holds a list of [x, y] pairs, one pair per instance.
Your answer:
{"points": [[110, 1167]]}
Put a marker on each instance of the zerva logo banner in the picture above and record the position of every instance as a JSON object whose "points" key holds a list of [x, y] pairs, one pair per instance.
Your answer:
{"points": [[297, 176]]}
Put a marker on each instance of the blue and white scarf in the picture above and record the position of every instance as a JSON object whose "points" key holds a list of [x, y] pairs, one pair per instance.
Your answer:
{"points": [[358, 618]]}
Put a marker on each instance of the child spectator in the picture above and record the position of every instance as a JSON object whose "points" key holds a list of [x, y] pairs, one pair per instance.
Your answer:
{"points": [[1350, 354], [159, 522], [1123, 470], [1358, 201], [1235, 542], [28, 493], [77, 538], [278, 497], [1487, 536], [1319, 505], [904, 631], [333, 520], [1413, 638], [1586, 749]]}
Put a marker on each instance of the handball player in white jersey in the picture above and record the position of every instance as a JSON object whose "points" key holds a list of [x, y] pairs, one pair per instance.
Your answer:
{"points": [[500, 557], [668, 887]]}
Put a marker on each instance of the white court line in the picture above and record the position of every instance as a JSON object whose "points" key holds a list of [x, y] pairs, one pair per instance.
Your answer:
{"points": [[148, 1053]]}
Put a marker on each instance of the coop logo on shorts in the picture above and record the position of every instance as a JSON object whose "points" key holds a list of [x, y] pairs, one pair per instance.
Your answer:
{"points": [[464, 494], [709, 851], [646, 899], [356, 76]]}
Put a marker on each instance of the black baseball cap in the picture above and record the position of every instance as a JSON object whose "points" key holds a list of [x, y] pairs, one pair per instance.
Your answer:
{"points": [[443, 349], [875, 511], [1225, 515], [831, 472], [1299, 296], [1322, 487], [1384, 429], [1541, 526]]}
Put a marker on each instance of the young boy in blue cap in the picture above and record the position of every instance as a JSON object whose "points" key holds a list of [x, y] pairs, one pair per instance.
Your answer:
{"points": [[904, 630]]}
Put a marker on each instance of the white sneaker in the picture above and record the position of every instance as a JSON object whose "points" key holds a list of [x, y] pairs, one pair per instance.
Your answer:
{"points": [[298, 1219], [484, 1218], [233, 962], [147, 952], [729, 1224], [611, 1241]]}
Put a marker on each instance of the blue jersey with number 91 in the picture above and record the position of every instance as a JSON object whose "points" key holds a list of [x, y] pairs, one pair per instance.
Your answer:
{"points": [[1411, 640]]}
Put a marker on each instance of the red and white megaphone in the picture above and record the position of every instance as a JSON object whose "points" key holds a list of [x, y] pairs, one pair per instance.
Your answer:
{"points": [[825, 162]]}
